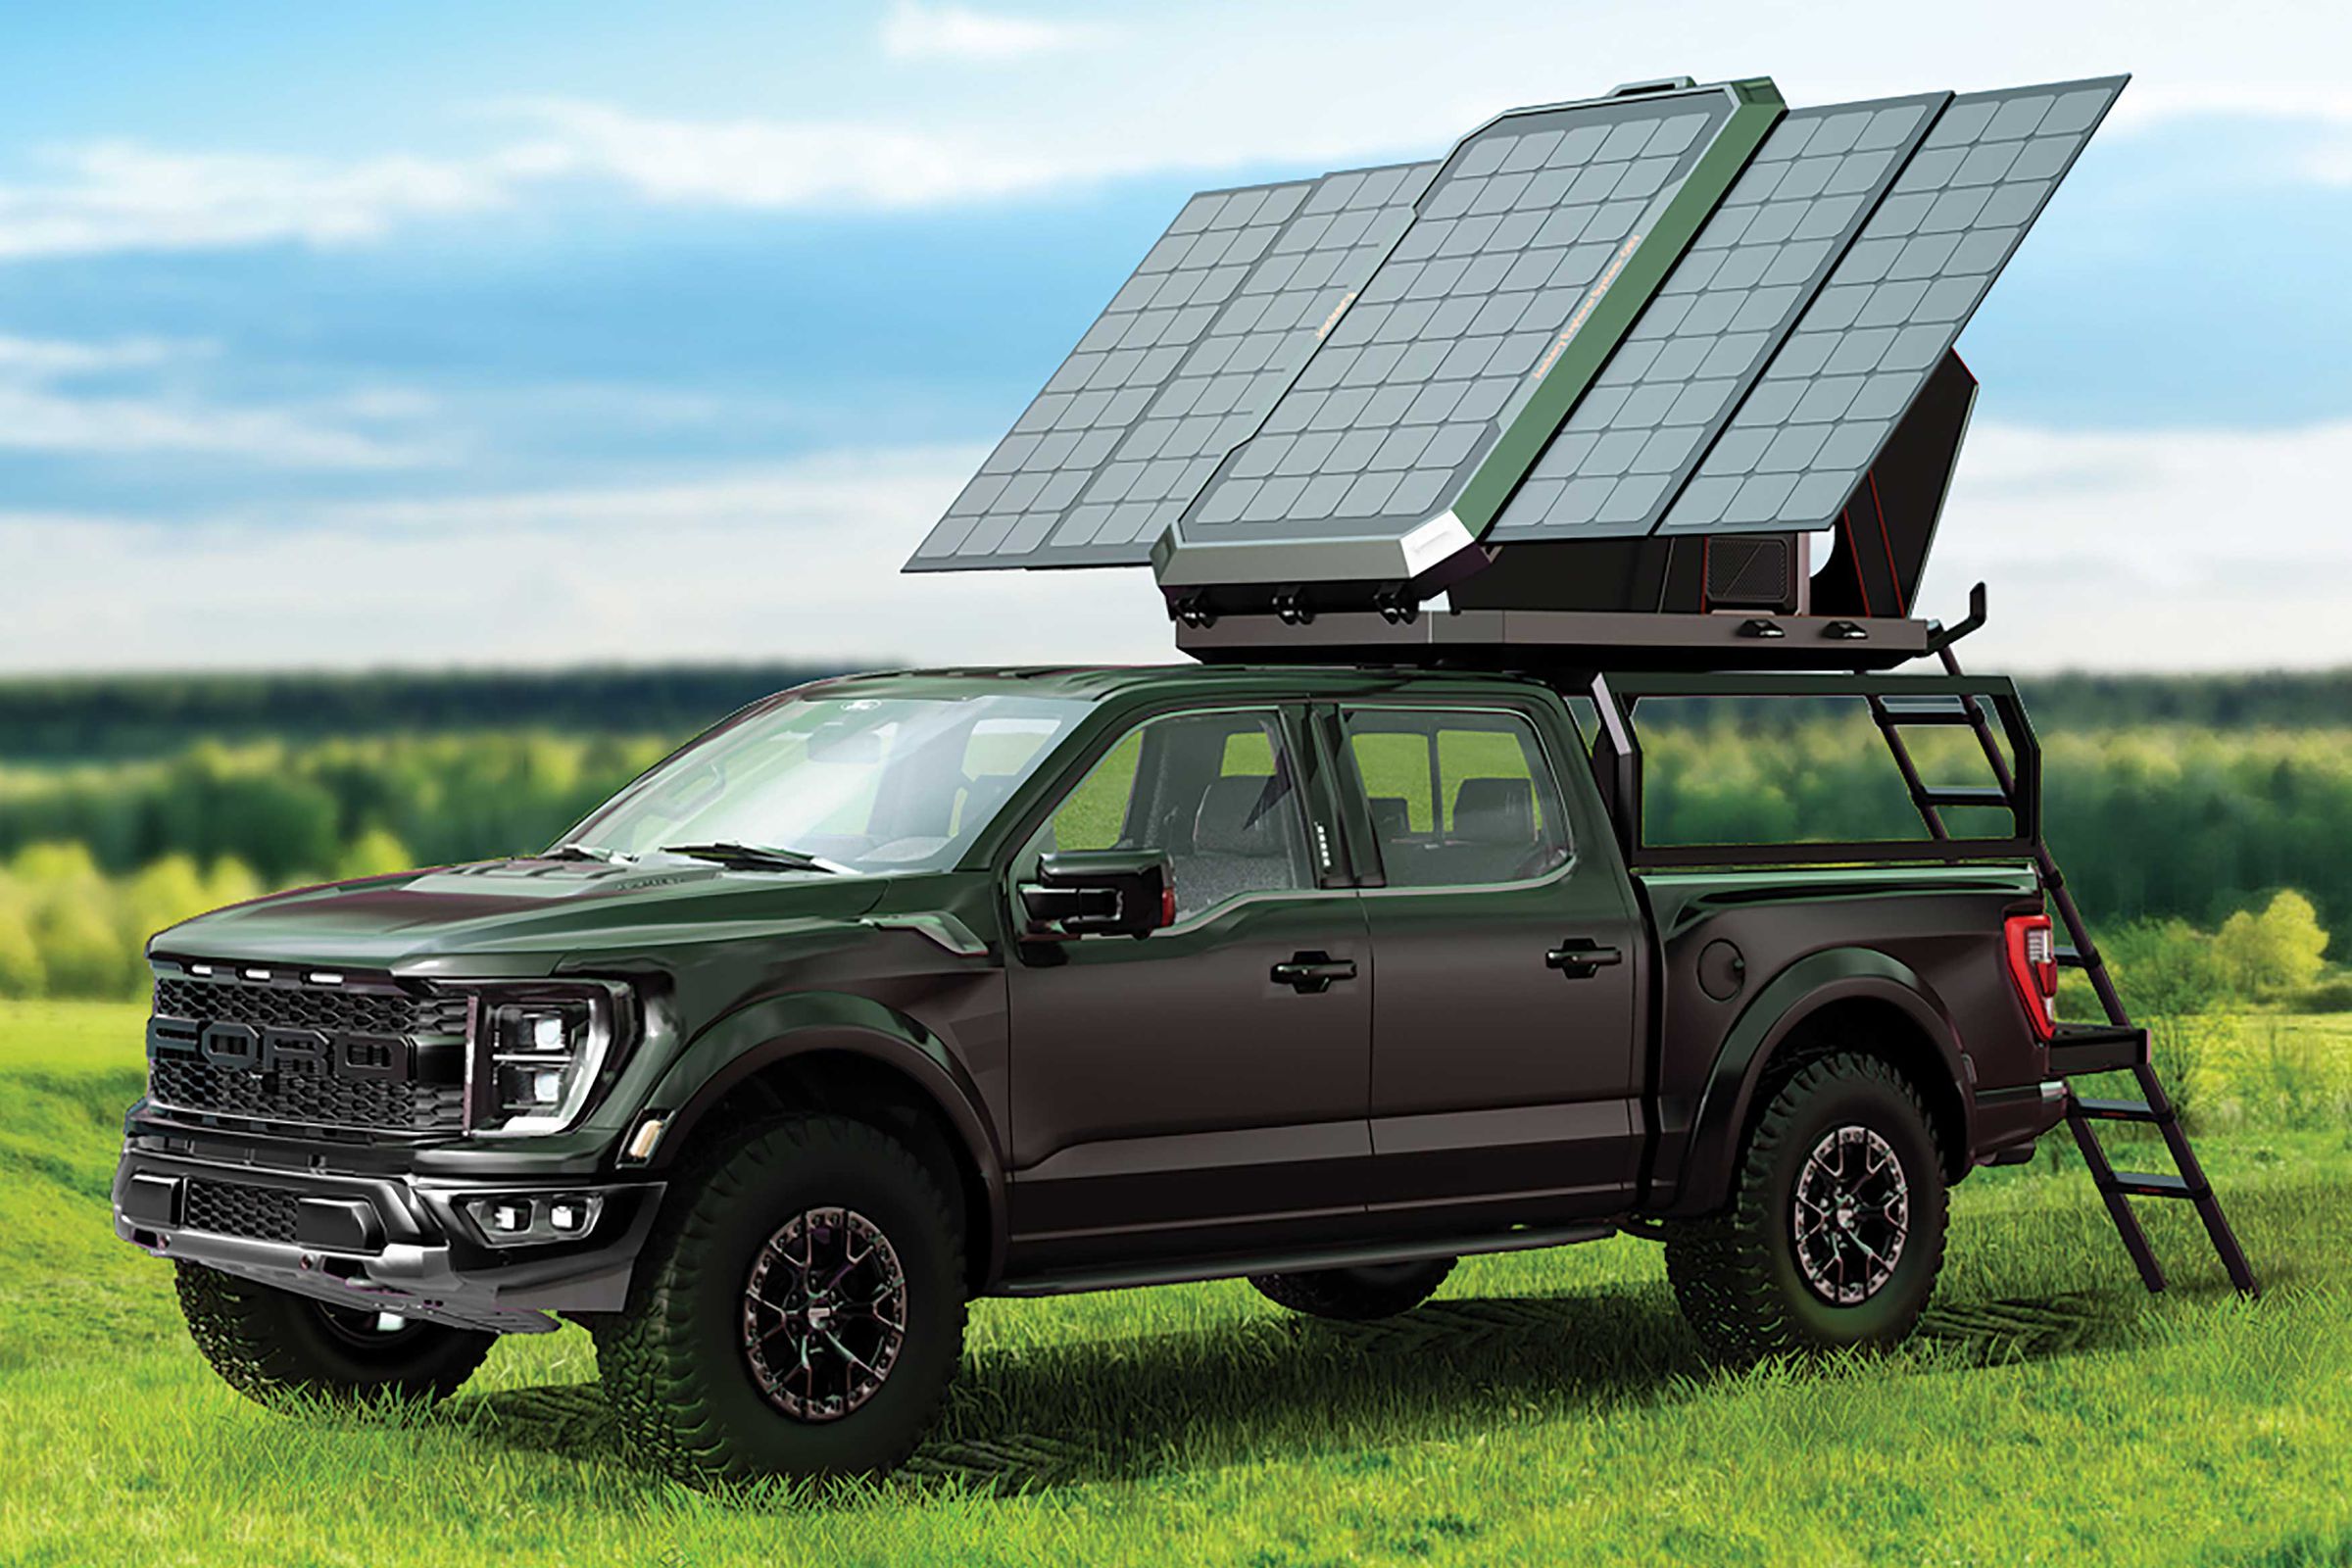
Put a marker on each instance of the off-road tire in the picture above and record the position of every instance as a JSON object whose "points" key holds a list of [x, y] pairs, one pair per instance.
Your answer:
{"points": [[1355, 1295], [276, 1347], [1736, 1275], [675, 1364]]}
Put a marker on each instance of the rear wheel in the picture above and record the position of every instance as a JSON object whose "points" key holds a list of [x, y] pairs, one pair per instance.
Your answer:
{"points": [[1379, 1290], [272, 1345], [799, 1310], [1834, 1233]]}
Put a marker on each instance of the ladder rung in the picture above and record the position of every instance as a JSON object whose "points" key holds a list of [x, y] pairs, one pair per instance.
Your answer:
{"points": [[1965, 795], [2118, 1111], [2082, 1047], [2088, 1047], [2144, 1184], [1908, 716]]}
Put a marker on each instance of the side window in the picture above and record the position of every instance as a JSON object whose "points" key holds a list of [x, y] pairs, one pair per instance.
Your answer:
{"points": [[1216, 792], [1456, 799]]}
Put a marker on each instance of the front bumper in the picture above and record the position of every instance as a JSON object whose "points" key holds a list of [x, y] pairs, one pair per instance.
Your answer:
{"points": [[387, 1242]]}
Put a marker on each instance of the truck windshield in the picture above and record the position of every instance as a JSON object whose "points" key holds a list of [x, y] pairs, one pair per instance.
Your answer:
{"points": [[861, 783]]}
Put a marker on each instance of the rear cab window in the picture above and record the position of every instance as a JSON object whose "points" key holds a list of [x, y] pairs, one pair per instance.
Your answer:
{"points": [[1456, 797]]}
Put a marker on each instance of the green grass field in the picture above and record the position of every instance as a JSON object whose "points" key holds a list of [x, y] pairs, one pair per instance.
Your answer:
{"points": [[1547, 1407]]}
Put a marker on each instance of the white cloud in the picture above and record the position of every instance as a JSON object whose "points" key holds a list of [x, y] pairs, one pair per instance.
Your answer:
{"points": [[798, 560], [778, 164], [41, 410], [913, 31], [1400, 78], [2181, 549], [124, 197], [44, 359], [118, 196], [2176, 549]]}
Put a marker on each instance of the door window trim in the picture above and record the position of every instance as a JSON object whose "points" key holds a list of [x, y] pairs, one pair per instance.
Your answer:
{"points": [[1357, 809]]}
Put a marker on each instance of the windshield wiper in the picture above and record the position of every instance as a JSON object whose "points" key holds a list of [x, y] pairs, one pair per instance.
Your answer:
{"points": [[587, 852], [750, 857]]}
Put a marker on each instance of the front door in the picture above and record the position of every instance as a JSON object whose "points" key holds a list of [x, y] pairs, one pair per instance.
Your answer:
{"points": [[1504, 1076], [1201, 1090]]}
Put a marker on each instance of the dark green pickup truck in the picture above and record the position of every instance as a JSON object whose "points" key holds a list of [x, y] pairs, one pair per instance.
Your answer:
{"points": [[893, 991]]}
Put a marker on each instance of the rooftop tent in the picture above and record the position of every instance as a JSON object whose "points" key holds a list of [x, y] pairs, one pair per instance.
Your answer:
{"points": [[1624, 355]]}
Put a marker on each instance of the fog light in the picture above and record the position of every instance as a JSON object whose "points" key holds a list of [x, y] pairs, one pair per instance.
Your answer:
{"points": [[531, 1220]]}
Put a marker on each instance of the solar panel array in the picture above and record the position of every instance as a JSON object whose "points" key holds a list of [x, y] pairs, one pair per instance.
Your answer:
{"points": [[1411, 390], [1180, 369], [1336, 359], [1632, 441], [1834, 393]]}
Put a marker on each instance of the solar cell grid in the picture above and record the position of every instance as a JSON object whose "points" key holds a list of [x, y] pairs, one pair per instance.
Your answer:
{"points": [[1181, 366], [1630, 442], [1415, 381], [1799, 445]]}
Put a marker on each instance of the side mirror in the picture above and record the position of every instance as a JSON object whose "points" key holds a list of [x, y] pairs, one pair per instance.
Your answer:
{"points": [[1096, 893]]}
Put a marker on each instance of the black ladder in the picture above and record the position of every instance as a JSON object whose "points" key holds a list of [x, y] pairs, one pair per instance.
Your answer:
{"points": [[2077, 1049]]}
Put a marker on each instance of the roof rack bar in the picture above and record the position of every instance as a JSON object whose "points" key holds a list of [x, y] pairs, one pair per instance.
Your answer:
{"points": [[1941, 637]]}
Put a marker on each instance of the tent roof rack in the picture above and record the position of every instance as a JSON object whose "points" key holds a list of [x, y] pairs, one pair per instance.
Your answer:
{"points": [[1439, 636], [1669, 374]]}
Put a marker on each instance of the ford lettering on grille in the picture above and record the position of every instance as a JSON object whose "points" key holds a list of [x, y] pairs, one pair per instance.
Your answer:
{"points": [[369, 1056]]}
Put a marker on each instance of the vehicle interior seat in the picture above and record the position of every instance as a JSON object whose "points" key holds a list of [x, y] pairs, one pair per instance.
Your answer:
{"points": [[1494, 830], [1240, 842]]}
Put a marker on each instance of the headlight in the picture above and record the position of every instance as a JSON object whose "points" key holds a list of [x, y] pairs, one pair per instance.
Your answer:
{"points": [[538, 1054]]}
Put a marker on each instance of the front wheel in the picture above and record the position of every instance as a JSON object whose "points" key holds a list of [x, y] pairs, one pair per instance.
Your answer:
{"points": [[272, 1345], [799, 1310], [1835, 1235]]}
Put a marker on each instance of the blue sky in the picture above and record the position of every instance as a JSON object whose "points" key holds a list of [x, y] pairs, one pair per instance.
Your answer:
{"points": [[530, 334]]}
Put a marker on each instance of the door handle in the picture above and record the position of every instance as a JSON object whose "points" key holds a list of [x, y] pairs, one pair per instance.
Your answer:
{"points": [[1310, 974], [1581, 957]]}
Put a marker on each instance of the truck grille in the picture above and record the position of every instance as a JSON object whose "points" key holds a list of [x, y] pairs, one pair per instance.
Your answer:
{"points": [[334, 1008], [318, 1102], [237, 1208], [362, 1054]]}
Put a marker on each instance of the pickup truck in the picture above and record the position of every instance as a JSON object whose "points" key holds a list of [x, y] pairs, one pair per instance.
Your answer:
{"points": [[893, 991]]}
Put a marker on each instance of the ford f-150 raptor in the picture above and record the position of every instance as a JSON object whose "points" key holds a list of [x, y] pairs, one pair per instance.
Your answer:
{"points": [[896, 990]]}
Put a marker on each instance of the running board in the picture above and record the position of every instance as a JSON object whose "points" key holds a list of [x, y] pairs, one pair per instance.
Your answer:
{"points": [[1189, 1271]]}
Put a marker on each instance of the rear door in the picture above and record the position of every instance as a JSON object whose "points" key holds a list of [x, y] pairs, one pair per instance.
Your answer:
{"points": [[1504, 1070], [1201, 1089]]}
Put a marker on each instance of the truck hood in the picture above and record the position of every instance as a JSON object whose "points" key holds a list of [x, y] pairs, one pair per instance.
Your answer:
{"points": [[518, 909]]}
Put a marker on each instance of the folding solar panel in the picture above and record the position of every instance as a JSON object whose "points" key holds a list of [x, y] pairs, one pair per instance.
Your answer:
{"points": [[1180, 367], [1854, 361], [1674, 312], [1534, 224], [1634, 440]]}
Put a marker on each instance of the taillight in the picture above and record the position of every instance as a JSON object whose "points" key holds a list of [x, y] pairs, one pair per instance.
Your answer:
{"points": [[2033, 967], [1167, 904]]}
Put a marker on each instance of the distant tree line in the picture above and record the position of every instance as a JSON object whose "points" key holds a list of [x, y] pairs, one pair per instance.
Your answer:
{"points": [[82, 717], [2153, 823], [2150, 822], [290, 810], [79, 717]]}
